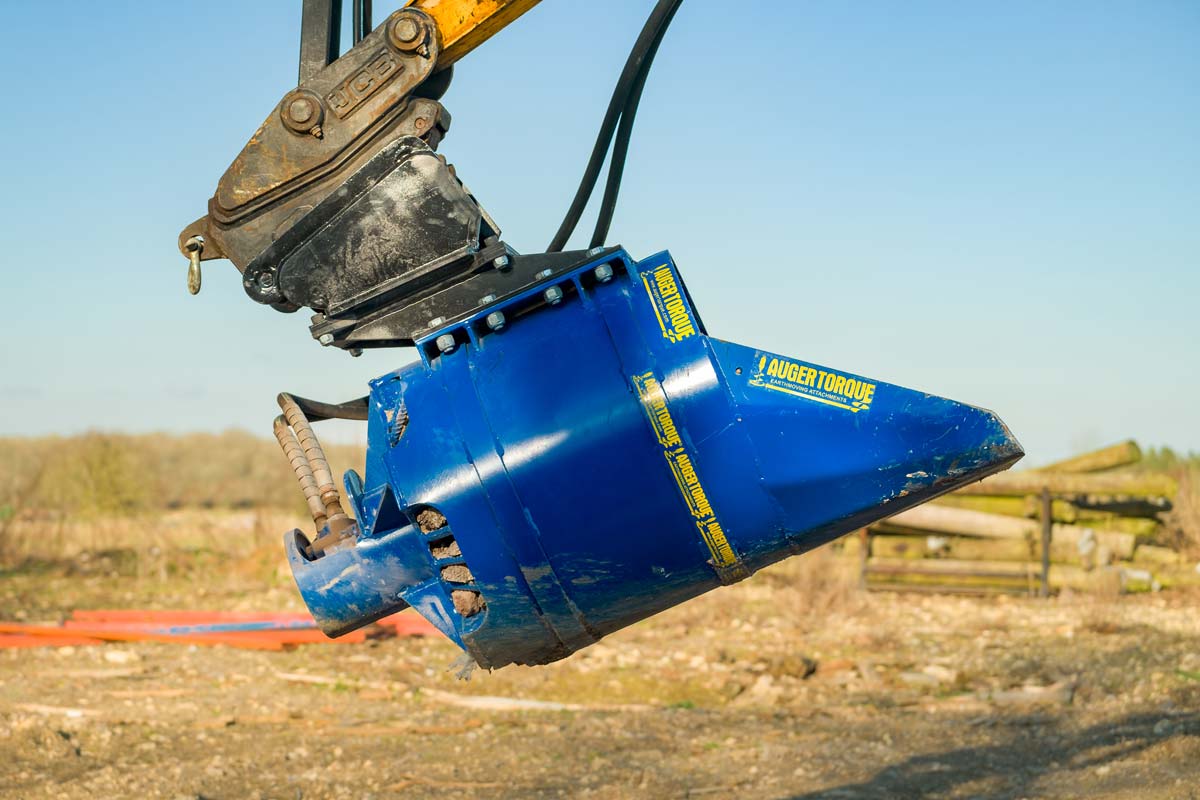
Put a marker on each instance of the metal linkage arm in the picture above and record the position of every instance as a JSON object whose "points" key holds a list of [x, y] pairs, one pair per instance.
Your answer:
{"points": [[320, 36]]}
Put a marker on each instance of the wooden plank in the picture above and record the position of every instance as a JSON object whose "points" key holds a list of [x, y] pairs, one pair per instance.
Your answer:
{"points": [[963, 548], [954, 521], [1071, 484], [1006, 506], [1121, 454], [922, 588], [934, 571]]}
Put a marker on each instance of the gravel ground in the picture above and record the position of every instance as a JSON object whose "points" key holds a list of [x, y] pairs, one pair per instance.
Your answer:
{"points": [[764, 689]]}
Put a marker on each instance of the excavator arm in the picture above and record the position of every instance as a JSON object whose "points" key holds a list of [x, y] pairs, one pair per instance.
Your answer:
{"points": [[466, 24]]}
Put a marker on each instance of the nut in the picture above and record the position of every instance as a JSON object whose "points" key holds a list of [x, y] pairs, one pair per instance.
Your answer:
{"points": [[446, 343], [604, 273], [495, 320], [553, 295]]}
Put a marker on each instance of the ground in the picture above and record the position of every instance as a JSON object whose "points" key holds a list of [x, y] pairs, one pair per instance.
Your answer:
{"points": [[763, 689]]}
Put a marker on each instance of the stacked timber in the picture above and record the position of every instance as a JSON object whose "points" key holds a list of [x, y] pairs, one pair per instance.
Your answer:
{"points": [[1103, 527]]}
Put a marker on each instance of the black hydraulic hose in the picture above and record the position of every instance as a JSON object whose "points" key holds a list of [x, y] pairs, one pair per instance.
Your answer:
{"points": [[316, 410], [616, 165], [659, 17]]}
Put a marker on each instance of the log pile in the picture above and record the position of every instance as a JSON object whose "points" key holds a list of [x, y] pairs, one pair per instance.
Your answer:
{"points": [[1102, 530]]}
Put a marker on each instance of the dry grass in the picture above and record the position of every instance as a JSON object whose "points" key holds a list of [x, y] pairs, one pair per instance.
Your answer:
{"points": [[60, 497], [103, 474], [806, 590], [154, 544], [1182, 523]]}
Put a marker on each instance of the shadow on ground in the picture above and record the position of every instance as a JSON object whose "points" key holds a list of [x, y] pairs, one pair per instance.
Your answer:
{"points": [[1015, 767]]}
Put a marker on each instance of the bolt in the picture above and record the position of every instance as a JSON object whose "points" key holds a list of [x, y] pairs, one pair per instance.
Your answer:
{"points": [[406, 34], [266, 280], [301, 110], [604, 273], [495, 320], [487, 298], [326, 339], [553, 295], [502, 262], [433, 323], [446, 343], [595, 251], [545, 273], [406, 29]]}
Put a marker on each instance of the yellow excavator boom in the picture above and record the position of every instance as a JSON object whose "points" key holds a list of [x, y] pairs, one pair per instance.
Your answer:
{"points": [[466, 24]]}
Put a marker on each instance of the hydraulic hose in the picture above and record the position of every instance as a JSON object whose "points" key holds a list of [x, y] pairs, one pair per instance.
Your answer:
{"points": [[616, 165], [643, 48], [304, 474], [329, 497]]}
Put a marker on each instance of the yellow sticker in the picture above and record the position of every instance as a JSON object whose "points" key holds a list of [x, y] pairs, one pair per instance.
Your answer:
{"points": [[729, 567], [669, 304], [812, 383]]}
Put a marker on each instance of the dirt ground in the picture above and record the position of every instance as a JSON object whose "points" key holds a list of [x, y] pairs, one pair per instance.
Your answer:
{"points": [[763, 689]]}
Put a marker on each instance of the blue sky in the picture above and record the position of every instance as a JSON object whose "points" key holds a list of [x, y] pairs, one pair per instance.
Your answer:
{"points": [[995, 202]]}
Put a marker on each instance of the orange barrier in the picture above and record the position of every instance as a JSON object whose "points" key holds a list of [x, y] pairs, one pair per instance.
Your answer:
{"points": [[95, 626], [28, 640]]}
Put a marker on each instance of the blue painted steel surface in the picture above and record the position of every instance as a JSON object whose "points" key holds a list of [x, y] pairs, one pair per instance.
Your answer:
{"points": [[600, 460]]}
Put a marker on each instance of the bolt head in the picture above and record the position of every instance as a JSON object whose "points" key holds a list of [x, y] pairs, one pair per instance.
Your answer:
{"points": [[495, 320], [487, 298], [553, 295], [405, 33], [545, 273], [355, 351], [326, 339], [446, 343], [301, 110], [433, 323], [502, 262], [595, 251], [406, 29], [604, 273]]}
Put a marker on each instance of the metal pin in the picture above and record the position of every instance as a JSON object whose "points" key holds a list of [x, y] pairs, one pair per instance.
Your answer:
{"points": [[194, 247]]}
